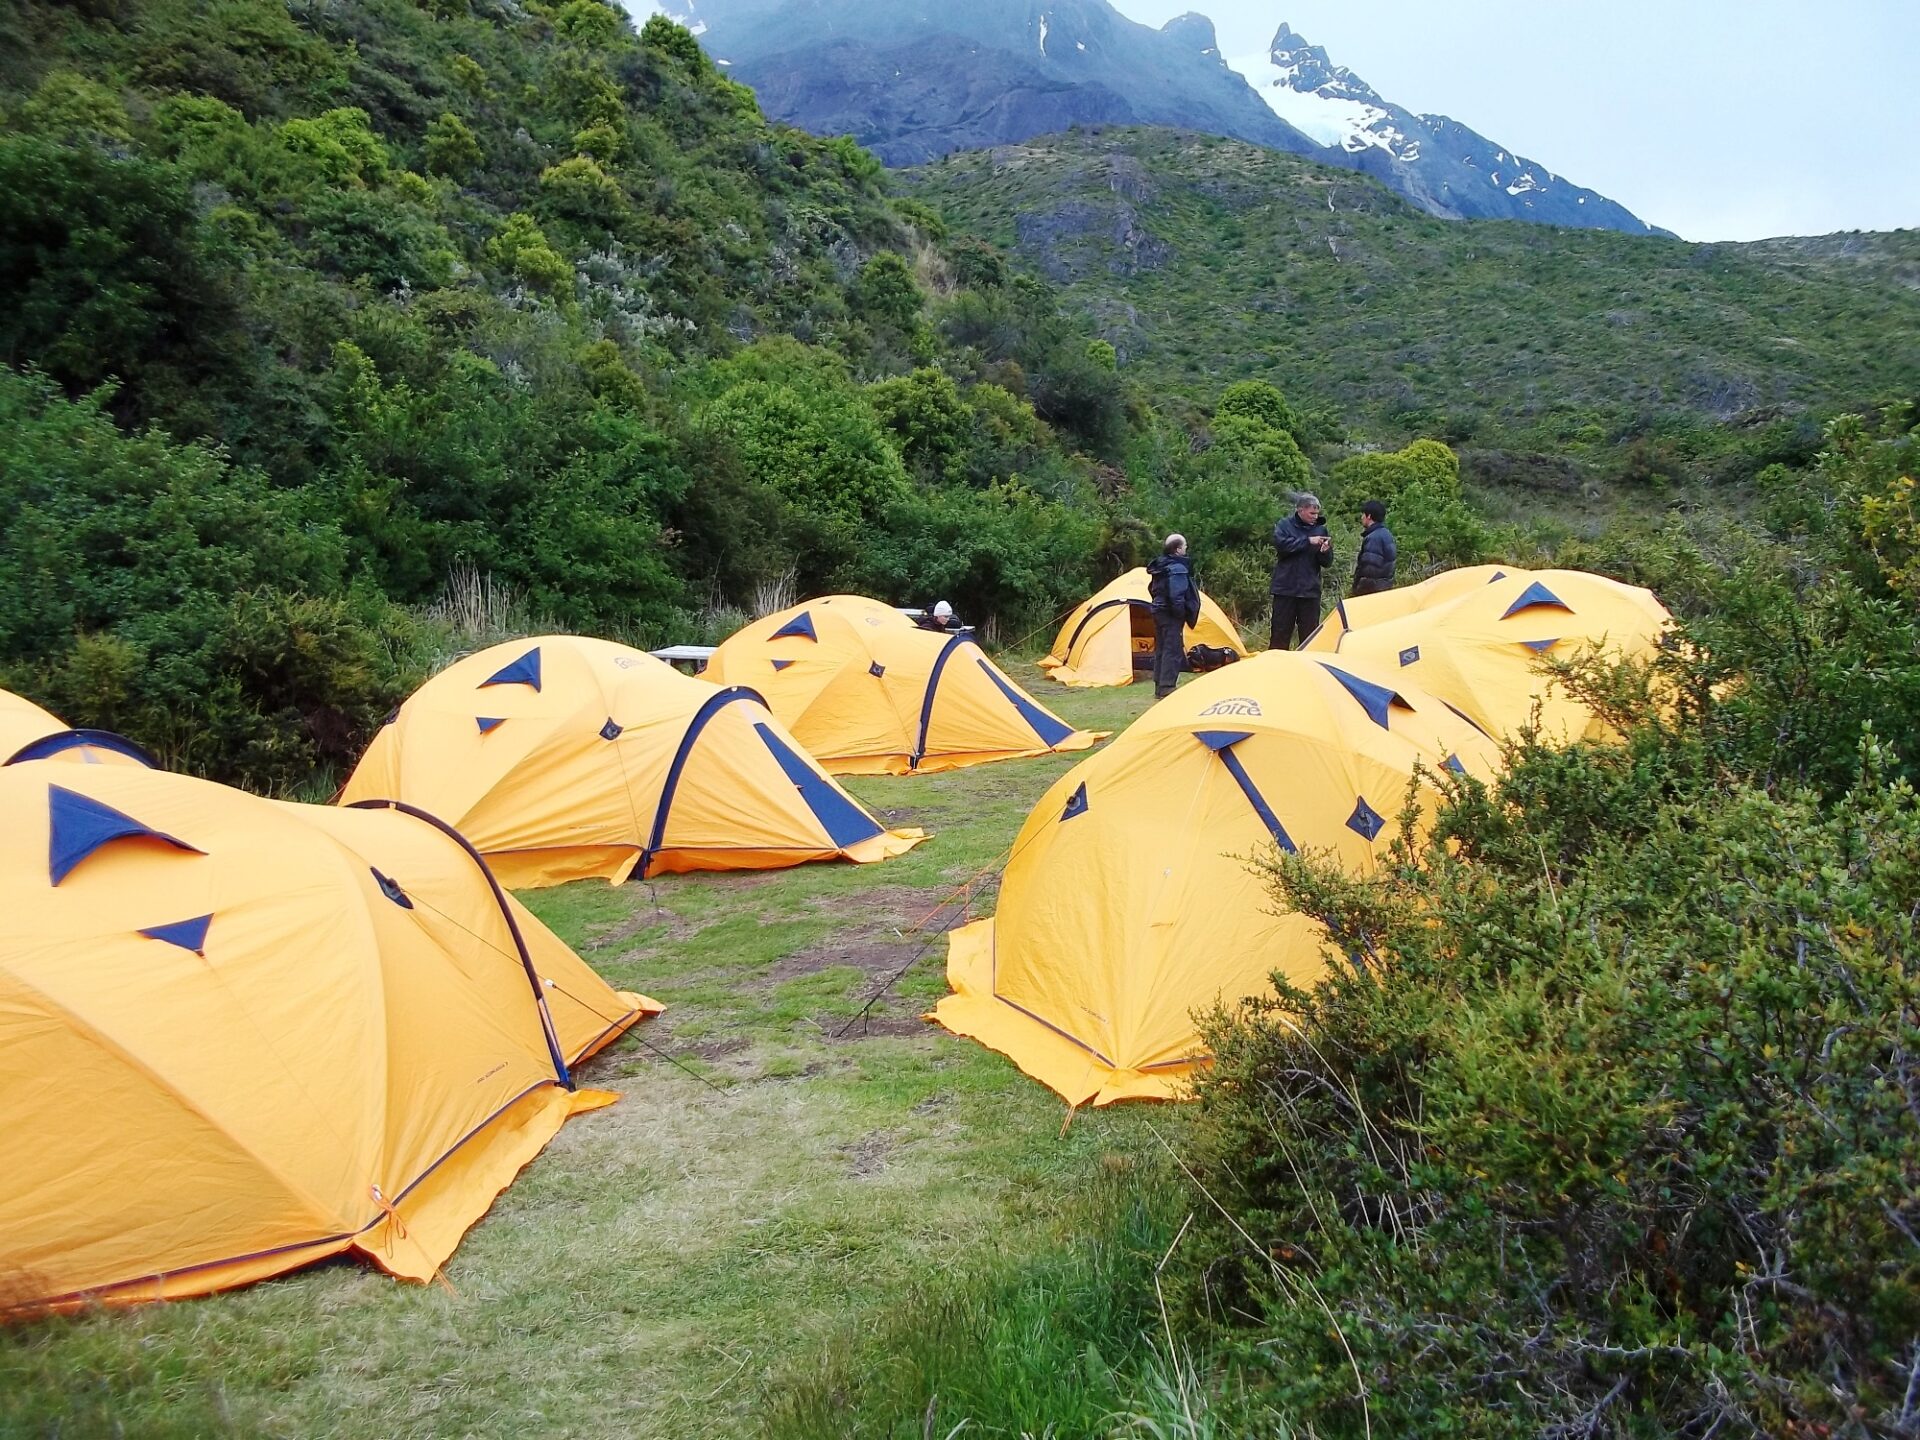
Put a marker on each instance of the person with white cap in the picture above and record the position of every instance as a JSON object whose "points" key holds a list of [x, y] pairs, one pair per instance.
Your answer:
{"points": [[1176, 605], [940, 618]]}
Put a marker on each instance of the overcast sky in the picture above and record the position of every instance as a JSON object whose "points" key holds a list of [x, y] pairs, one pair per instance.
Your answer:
{"points": [[1716, 119]]}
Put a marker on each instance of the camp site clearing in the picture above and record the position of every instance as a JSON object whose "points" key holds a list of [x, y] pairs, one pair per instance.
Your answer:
{"points": [[763, 1184]]}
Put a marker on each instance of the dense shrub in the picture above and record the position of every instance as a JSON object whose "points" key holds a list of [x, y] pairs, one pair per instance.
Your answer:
{"points": [[1420, 486], [1611, 1121], [153, 588], [1606, 1120]]}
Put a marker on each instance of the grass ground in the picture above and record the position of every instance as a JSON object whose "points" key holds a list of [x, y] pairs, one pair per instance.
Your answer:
{"points": [[736, 1213]]}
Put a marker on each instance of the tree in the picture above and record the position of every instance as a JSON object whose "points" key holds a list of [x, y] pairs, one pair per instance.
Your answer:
{"points": [[823, 451], [930, 424], [1266, 453], [886, 292], [524, 252], [452, 149]]}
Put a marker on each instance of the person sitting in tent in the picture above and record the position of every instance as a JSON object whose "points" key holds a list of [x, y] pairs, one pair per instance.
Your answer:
{"points": [[1176, 604], [1373, 566], [940, 618], [1301, 550]]}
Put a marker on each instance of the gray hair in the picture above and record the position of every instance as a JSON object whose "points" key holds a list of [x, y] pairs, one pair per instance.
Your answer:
{"points": [[1175, 542], [1305, 499]]}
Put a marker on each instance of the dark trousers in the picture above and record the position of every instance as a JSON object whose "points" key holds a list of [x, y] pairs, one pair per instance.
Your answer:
{"points": [[1169, 650], [1293, 613]]}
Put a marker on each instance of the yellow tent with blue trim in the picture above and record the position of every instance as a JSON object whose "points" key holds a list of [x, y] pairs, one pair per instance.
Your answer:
{"points": [[1356, 612], [28, 732], [870, 693], [1109, 635], [1130, 902], [564, 758], [1486, 651], [237, 1036]]}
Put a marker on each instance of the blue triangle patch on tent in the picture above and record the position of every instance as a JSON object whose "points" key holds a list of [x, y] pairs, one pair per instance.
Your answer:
{"points": [[1452, 762], [1497, 575], [801, 625], [390, 888], [1541, 646], [1376, 700], [80, 825], [1049, 727], [489, 723], [1535, 594], [1221, 739], [524, 671], [781, 664], [187, 934], [1076, 802], [843, 820]]}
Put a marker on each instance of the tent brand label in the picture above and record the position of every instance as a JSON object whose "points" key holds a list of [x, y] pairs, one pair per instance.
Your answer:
{"points": [[1409, 655], [1238, 705]]}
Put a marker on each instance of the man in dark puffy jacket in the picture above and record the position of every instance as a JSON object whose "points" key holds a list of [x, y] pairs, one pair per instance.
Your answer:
{"points": [[1176, 605], [1301, 550], [1373, 566]]}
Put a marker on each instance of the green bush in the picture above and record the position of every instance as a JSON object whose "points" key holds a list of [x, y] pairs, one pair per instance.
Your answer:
{"points": [[1007, 558], [1605, 1118], [1426, 509], [152, 588], [824, 453]]}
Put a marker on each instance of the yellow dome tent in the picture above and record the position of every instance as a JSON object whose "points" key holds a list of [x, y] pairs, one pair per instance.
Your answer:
{"points": [[563, 758], [1129, 903], [870, 693], [29, 733], [1357, 612], [1110, 634], [237, 1036], [1483, 652]]}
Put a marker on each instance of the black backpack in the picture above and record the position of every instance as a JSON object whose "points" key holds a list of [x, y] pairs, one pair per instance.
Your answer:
{"points": [[1202, 658]]}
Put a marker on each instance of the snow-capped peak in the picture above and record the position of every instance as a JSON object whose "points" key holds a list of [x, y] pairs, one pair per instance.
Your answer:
{"points": [[1330, 104]]}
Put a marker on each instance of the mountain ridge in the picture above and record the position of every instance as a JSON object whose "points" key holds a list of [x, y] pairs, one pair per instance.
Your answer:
{"points": [[912, 82], [1204, 260], [1443, 165]]}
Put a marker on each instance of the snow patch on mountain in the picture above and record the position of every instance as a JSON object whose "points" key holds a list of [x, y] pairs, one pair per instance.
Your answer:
{"points": [[1333, 105], [1436, 161], [1350, 125]]}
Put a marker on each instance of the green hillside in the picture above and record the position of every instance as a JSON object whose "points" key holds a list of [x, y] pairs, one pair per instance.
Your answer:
{"points": [[1206, 260], [314, 310]]}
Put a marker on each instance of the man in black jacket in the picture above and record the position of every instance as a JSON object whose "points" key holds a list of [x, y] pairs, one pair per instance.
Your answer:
{"points": [[1176, 605], [1301, 550], [1373, 566]]}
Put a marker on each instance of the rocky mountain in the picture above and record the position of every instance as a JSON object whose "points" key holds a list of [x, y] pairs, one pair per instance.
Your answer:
{"points": [[914, 81], [1441, 165]]}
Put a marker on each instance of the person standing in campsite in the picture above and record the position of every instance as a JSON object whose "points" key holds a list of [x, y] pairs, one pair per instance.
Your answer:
{"points": [[1301, 550], [1373, 566], [1176, 605]]}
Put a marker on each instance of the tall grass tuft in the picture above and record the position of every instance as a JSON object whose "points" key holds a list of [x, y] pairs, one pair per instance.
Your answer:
{"points": [[477, 610], [1059, 1346], [776, 592]]}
